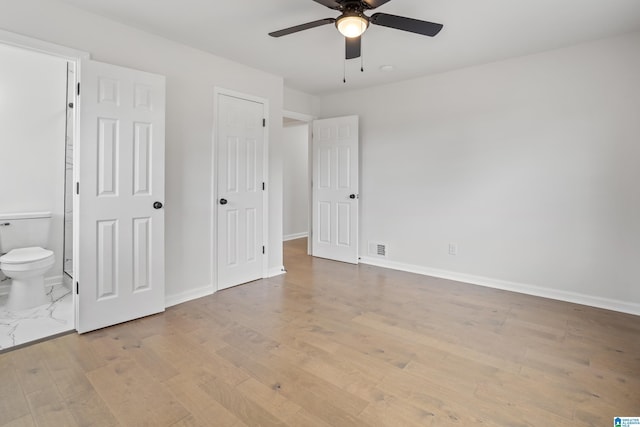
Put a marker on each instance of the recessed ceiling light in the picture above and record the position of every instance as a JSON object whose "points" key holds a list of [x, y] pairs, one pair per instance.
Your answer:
{"points": [[387, 68]]}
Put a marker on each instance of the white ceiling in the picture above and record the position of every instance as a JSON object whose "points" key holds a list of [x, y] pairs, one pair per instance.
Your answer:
{"points": [[475, 32]]}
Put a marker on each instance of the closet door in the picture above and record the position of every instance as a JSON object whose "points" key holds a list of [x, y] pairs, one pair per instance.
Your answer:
{"points": [[240, 153]]}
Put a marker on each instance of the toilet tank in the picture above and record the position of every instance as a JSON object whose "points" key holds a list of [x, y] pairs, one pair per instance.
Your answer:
{"points": [[21, 230]]}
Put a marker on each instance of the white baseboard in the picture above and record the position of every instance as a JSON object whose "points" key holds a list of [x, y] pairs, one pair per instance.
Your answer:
{"points": [[276, 271], [295, 236], [573, 297], [171, 300]]}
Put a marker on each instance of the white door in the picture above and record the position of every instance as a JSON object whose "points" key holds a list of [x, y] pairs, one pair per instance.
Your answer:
{"points": [[121, 251], [240, 139], [335, 189]]}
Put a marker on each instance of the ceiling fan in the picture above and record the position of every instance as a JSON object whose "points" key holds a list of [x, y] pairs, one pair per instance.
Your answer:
{"points": [[353, 22]]}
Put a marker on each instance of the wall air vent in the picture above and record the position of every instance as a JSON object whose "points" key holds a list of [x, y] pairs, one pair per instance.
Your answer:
{"points": [[378, 250]]}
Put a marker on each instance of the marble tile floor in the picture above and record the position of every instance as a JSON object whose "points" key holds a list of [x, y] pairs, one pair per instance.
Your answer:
{"points": [[24, 326]]}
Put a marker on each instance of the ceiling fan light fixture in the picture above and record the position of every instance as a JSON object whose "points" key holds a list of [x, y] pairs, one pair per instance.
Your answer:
{"points": [[352, 25]]}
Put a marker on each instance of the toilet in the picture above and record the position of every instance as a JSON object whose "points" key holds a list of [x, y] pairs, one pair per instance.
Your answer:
{"points": [[24, 260]]}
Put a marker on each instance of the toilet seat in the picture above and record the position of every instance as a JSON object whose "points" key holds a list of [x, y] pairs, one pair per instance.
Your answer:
{"points": [[22, 259]]}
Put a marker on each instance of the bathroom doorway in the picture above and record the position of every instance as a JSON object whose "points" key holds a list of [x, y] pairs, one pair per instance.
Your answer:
{"points": [[36, 141]]}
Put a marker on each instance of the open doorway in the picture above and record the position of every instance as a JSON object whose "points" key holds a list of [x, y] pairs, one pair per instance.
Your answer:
{"points": [[36, 137], [296, 175]]}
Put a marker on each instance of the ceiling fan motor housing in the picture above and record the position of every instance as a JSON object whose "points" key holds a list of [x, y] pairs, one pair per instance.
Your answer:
{"points": [[359, 5]]}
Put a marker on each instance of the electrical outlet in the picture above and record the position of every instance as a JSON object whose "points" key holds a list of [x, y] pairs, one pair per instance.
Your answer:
{"points": [[453, 249]]}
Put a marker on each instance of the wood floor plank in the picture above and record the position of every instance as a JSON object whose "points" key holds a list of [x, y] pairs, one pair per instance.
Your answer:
{"points": [[203, 409], [239, 404], [26, 421], [333, 369], [303, 418], [79, 349], [134, 396], [387, 409], [183, 354], [270, 399], [13, 402], [65, 371], [317, 397], [31, 369], [89, 410], [48, 408]]}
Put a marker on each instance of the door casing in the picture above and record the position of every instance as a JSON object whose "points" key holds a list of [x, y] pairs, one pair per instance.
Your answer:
{"points": [[309, 119]]}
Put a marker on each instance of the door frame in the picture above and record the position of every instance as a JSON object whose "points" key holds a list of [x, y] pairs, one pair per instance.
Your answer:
{"points": [[308, 119], [213, 246], [74, 56]]}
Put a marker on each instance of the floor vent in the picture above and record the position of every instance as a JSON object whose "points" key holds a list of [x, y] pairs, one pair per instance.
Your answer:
{"points": [[378, 250]]}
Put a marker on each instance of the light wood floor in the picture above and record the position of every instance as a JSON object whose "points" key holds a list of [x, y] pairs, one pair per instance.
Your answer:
{"points": [[331, 344]]}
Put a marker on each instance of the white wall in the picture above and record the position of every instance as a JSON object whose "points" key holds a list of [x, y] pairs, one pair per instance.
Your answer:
{"points": [[295, 151], [530, 165], [32, 139], [300, 102], [191, 78]]}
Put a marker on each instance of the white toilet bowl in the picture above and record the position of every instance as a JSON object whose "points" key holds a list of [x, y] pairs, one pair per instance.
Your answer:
{"points": [[26, 267]]}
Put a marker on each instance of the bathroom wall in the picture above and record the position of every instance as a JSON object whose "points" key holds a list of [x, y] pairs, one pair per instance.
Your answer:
{"points": [[32, 139]]}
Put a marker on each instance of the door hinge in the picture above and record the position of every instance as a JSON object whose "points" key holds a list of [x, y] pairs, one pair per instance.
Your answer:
{"points": [[264, 123], [263, 186], [78, 187], [77, 288], [263, 250], [78, 90]]}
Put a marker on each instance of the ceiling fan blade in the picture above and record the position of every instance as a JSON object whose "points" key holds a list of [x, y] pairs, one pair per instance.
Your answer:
{"points": [[406, 24], [353, 47], [302, 27], [372, 4], [331, 4]]}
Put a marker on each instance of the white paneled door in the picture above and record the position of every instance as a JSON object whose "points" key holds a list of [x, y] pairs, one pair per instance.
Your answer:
{"points": [[335, 189], [120, 274], [240, 140]]}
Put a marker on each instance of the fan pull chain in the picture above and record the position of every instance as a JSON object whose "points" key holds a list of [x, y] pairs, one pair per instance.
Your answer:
{"points": [[361, 58], [344, 71]]}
